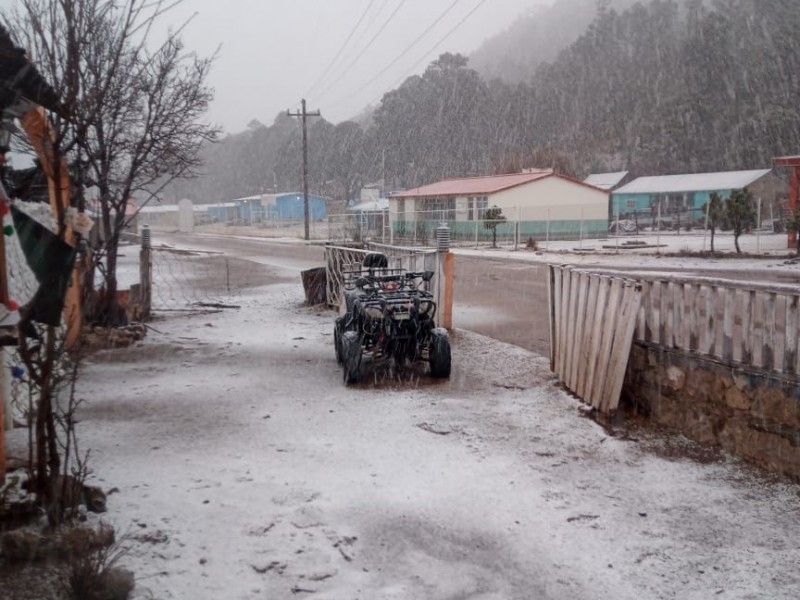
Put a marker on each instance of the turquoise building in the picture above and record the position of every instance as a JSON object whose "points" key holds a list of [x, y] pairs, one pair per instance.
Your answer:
{"points": [[671, 195]]}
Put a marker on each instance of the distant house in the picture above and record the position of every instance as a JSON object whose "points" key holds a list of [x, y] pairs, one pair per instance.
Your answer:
{"points": [[686, 194], [377, 205], [289, 206], [544, 204], [607, 181], [159, 215]]}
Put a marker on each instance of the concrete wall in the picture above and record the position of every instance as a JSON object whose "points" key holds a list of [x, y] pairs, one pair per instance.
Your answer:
{"points": [[564, 199], [749, 413]]}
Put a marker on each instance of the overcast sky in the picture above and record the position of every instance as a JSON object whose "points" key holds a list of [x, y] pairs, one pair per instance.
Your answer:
{"points": [[273, 52]]}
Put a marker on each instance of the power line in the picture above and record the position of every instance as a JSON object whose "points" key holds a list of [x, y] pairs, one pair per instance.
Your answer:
{"points": [[401, 55], [436, 45], [341, 49], [367, 47]]}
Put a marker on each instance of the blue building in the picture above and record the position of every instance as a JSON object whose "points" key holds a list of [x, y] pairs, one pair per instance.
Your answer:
{"points": [[676, 195], [289, 206], [249, 210]]}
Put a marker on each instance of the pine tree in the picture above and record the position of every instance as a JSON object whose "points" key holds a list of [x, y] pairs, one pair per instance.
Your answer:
{"points": [[741, 214]]}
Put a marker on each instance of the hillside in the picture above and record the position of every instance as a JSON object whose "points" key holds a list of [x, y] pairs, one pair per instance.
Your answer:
{"points": [[536, 37], [662, 87]]}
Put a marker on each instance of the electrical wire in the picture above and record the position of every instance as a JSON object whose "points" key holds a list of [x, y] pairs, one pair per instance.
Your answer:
{"points": [[399, 56], [367, 47], [341, 49], [424, 57], [435, 46]]}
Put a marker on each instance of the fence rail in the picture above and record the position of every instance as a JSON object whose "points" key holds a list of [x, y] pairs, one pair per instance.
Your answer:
{"points": [[339, 259], [736, 323]]}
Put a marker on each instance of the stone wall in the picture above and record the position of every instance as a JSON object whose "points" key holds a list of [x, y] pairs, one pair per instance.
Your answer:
{"points": [[752, 414]]}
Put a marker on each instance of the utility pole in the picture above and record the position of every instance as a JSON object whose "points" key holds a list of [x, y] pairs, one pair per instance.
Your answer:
{"points": [[303, 114]]}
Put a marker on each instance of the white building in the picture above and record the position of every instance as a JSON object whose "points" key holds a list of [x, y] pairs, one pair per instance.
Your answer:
{"points": [[543, 203]]}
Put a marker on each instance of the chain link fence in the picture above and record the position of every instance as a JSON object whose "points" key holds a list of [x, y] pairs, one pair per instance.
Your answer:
{"points": [[183, 279]]}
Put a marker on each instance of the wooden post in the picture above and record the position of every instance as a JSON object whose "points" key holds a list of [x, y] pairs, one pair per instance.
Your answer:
{"points": [[748, 325], [587, 356], [768, 328], [555, 316], [728, 316], [449, 280], [790, 355]]}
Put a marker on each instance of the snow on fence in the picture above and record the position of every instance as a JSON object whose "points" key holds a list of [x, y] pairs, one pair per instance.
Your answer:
{"points": [[339, 259], [736, 323]]}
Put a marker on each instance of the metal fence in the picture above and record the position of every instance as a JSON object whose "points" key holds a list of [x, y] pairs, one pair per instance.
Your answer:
{"points": [[189, 278], [536, 227], [341, 259]]}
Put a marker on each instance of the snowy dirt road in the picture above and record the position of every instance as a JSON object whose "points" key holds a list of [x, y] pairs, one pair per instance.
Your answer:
{"points": [[246, 469]]}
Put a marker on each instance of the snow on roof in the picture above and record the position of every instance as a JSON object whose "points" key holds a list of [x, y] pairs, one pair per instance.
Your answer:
{"points": [[606, 181], [472, 185], [371, 205], [696, 182], [159, 208]]}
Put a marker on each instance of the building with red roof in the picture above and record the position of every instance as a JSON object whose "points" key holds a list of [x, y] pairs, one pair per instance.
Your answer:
{"points": [[545, 204]]}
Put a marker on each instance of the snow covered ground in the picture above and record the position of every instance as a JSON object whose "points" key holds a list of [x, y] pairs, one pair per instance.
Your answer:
{"points": [[246, 469], [763, 254]]}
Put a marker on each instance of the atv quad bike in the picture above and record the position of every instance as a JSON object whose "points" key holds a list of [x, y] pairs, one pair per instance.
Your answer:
{"points": [[389, 316]]}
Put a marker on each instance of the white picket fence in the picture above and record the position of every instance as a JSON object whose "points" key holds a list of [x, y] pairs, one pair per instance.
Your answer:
{"points": [[595, 316], [738, 323], [592, 321]]}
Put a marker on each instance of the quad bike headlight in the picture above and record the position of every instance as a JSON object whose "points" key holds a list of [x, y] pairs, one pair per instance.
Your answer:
{"points": [[425, 307], [373, 312]]}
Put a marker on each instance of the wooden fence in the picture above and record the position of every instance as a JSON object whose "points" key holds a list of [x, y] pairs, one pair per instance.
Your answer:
{"points": [[592, 321], [736, 323]]}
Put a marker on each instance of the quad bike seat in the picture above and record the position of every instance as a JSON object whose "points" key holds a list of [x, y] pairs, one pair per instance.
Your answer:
{"points": [[375, 260]]}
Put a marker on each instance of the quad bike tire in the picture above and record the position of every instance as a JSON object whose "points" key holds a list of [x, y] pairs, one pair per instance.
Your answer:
{"points": [[337, 341], [351, 356], [439, 353]]}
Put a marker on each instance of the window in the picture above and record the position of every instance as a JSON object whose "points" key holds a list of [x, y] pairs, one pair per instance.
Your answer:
{"points": [[401, 209], [631, 204], [470, 208], [440, 209], [481, 204]]}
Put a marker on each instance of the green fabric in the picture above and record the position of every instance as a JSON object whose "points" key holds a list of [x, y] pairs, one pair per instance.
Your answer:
{"points": [[51, 259]]}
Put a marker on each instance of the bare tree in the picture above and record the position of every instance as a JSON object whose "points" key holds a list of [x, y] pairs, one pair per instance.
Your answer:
{"points": [[133, 105], [127, 121]]}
